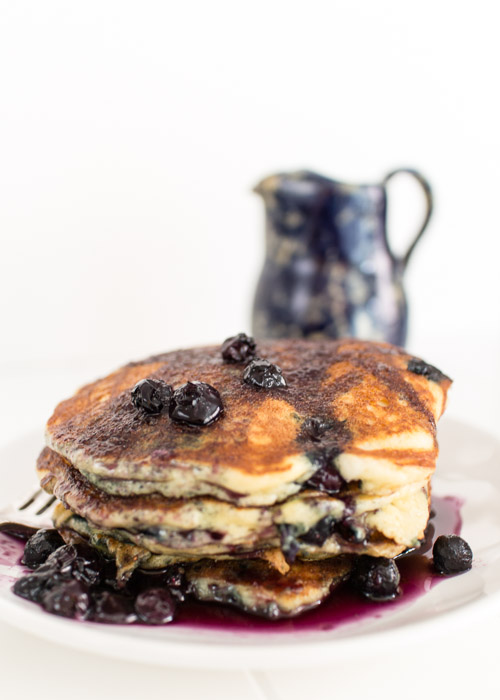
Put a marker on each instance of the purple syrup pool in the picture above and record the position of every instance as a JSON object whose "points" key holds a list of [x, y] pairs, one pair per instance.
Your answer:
{"points": [[344, 606], [11, 550]]}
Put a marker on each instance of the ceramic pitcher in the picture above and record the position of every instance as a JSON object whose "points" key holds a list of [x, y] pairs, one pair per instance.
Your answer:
{"points": [[329, 269]]}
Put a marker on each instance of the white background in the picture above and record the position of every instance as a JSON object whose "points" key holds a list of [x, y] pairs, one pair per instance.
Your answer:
{"points": [[132, 133]]}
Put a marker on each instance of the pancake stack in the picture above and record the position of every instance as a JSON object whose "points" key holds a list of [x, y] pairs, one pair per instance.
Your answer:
{"points": [[306, 455]]}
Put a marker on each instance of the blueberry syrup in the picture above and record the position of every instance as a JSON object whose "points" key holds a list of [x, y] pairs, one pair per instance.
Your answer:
{"points": [[344, 606], [11, 552]]}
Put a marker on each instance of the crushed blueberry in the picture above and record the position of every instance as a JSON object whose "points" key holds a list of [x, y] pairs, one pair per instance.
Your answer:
{"points": [[314, 429], [171, 578], [351, 531], [176, 582], [70, 562], [326, 477], [114, 608], [155, 606], [452, 555], [61, 560], [152, 395], [425, 370], [174, 577], [264, 375], [347, 528], [31, 586], [196, 403], [40, 546], [376, 578], [67, 598], [238, 348], [318, 534], [88, 567], [289, 544], [73, 582]]}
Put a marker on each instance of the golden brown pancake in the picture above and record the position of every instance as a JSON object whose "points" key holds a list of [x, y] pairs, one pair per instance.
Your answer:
{"points": [[259, 586], [335, 464], [186, 530], [256, 588], [382, 417]]}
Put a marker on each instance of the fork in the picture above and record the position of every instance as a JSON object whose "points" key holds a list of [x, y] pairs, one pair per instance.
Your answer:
{"points": [[28, 511]]}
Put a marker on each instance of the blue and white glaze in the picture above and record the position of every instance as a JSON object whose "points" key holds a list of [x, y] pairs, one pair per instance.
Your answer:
{"points": [[329, 270]]}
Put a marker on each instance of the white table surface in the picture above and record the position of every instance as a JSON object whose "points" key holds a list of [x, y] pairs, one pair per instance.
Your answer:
{"points": [[462, 664]]}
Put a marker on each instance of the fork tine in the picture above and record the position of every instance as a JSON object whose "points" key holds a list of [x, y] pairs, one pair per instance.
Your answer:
{"points": [[30, 500], [47, 505], [36, 504], [31, 511]]}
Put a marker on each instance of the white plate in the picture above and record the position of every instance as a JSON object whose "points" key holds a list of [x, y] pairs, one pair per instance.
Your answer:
{"points": [[468, 468]]}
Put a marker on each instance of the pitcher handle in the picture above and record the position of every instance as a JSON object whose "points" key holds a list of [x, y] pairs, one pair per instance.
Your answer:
{"points": [[429, 203]]}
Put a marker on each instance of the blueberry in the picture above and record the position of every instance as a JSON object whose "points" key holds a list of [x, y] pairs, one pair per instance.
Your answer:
{"points": [[152, 395], [88, 567], [451, 555], [172, 578], [110, 607], [263, 374], [40, 546], [75, 561], [61, 560], [175, 580], [347, 528], [68, 599], [326, 478], [289, 545], [30, 587], [196, 403], [239, 348], [376, 578], [314, 429], [155, 606], [318, 534], [428, 371], [350, 531]]}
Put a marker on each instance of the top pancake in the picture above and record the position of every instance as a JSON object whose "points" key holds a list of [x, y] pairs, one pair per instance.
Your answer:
{"points": [[382, 419]]}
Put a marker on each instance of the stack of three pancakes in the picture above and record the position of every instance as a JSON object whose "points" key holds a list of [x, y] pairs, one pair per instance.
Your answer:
{"points": [[268, 506]]}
